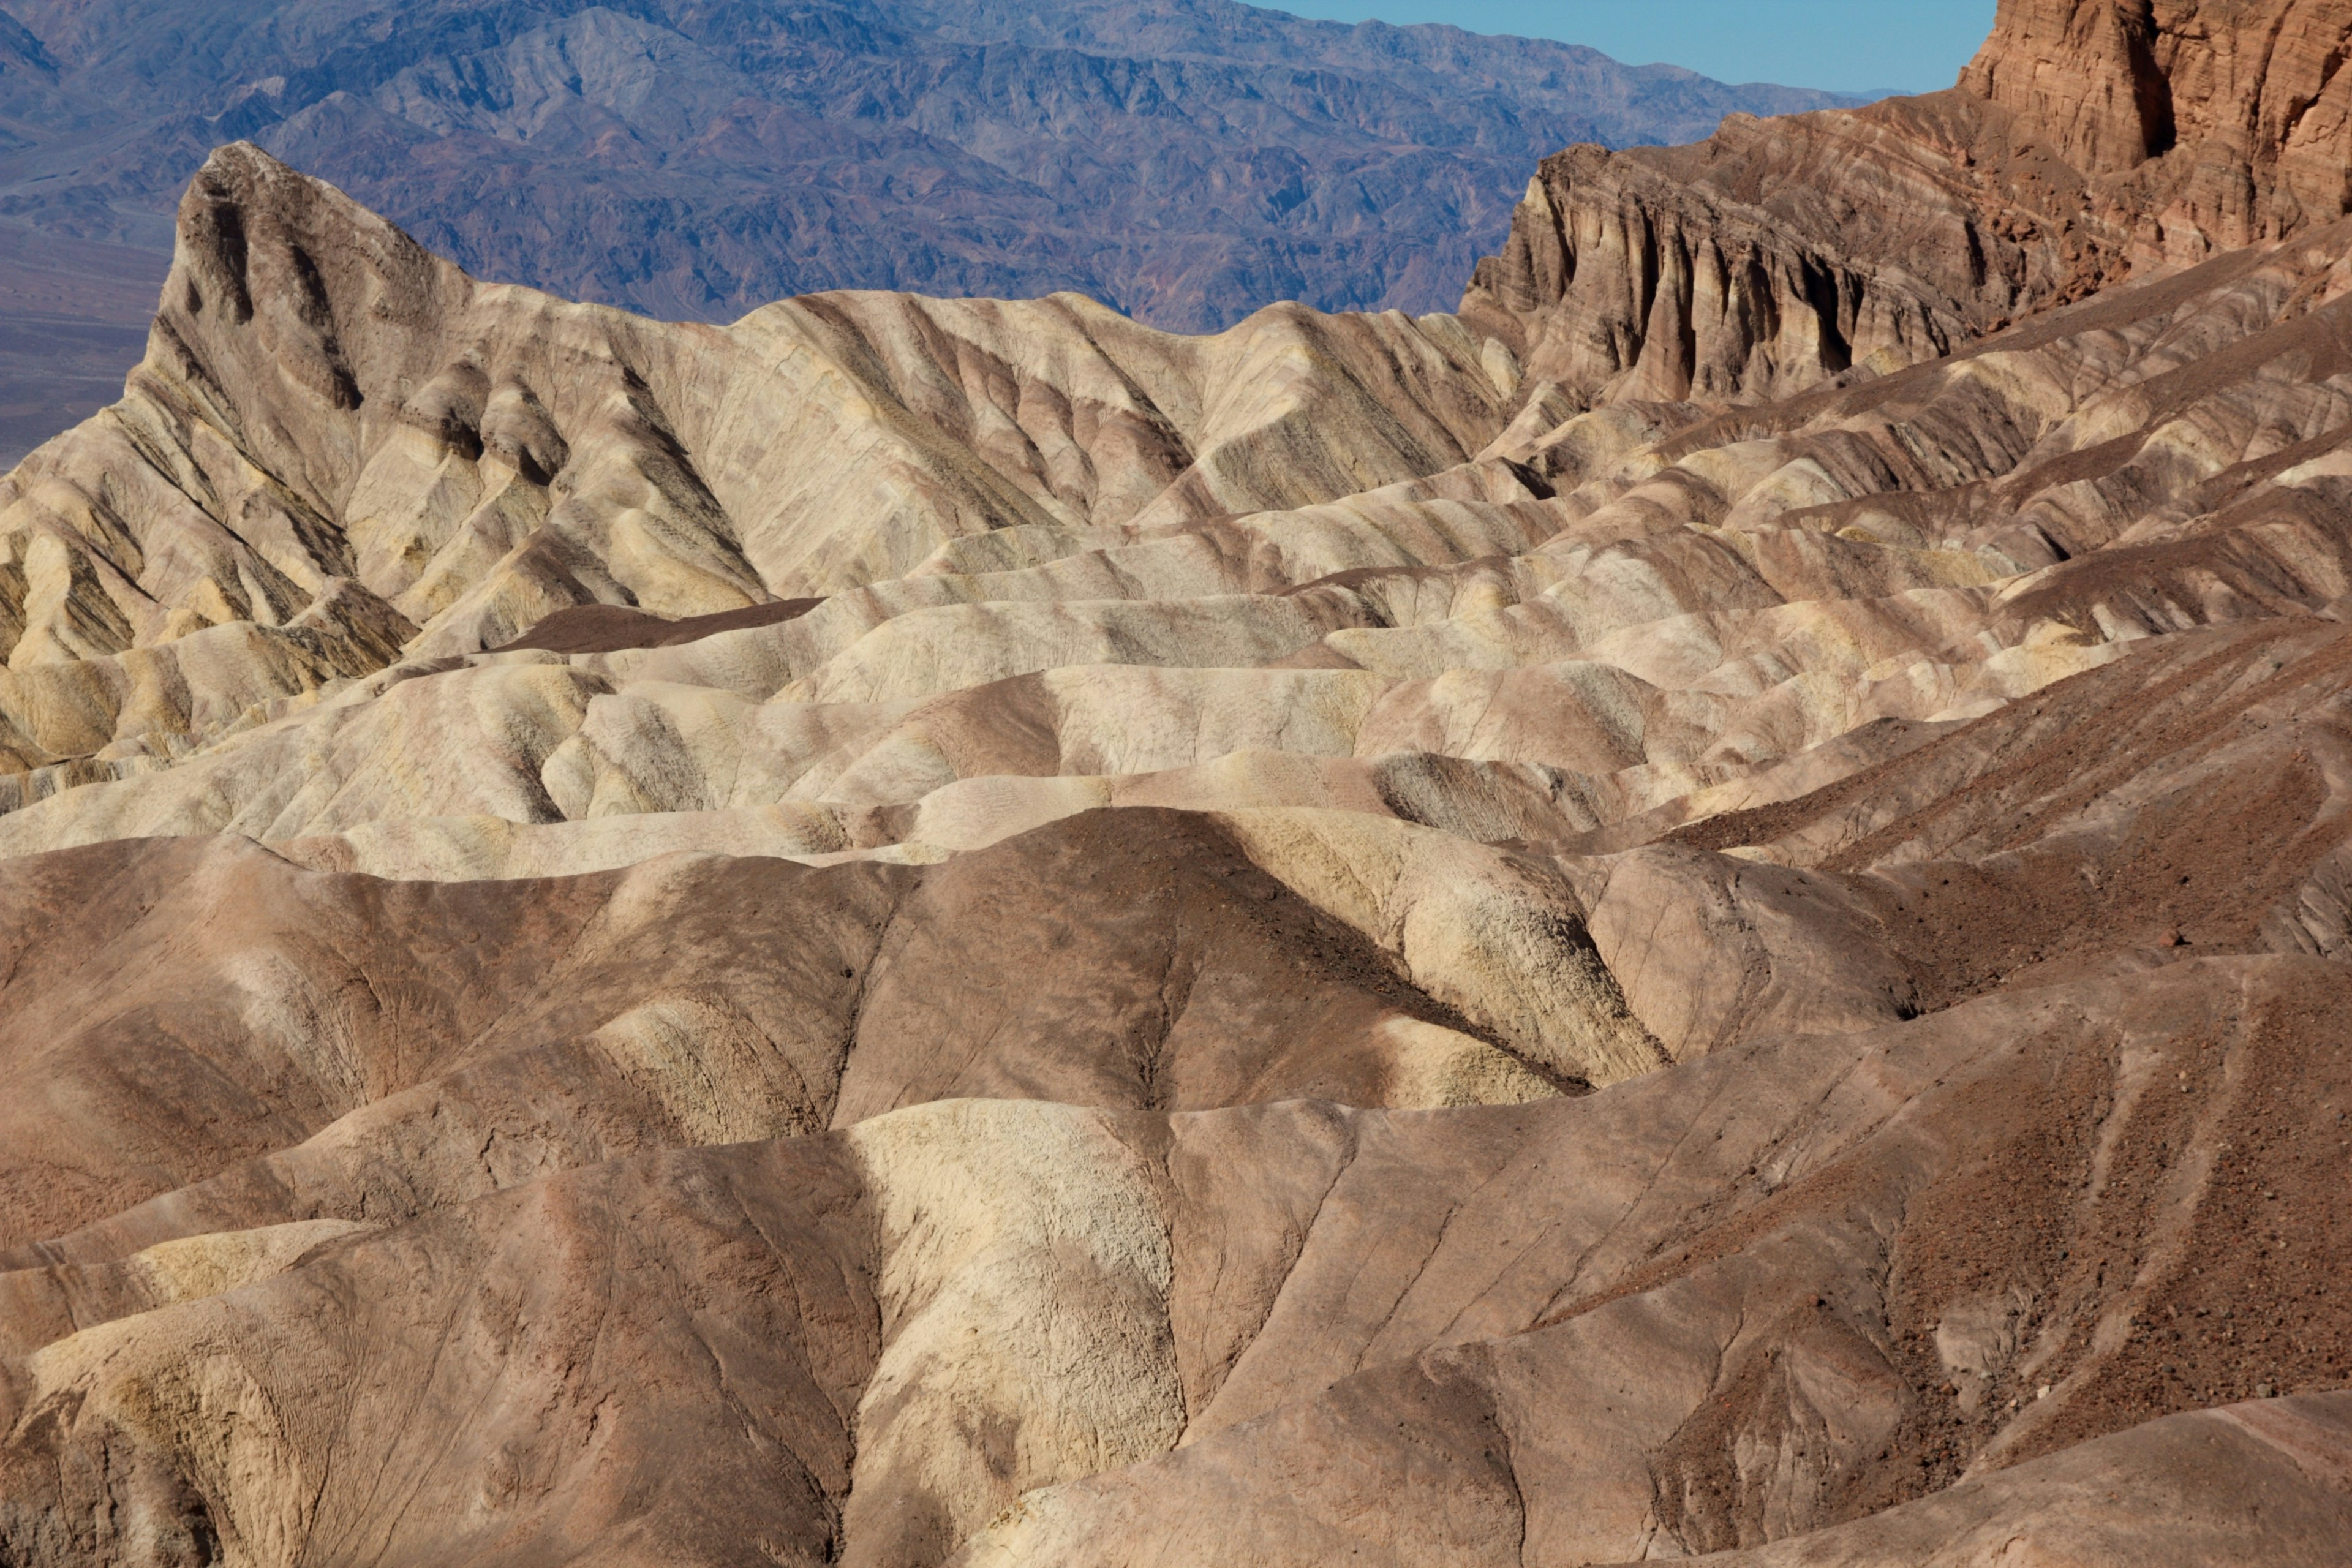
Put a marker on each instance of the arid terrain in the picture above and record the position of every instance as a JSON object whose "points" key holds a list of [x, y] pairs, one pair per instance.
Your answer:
{"points": [[1702, 909], [1185, 161]]}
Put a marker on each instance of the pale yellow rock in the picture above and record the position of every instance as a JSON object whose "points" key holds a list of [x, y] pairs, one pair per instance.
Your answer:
{"points": [[1493, 936], [158, 1375], [698, 1062], [1433, 1068], [1026, 1267], [201, 1266], [470, 849], [933, 651], [195, 1400]]}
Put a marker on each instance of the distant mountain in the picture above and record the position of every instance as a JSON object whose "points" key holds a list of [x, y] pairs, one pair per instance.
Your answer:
{"points": [[1186, 161]]}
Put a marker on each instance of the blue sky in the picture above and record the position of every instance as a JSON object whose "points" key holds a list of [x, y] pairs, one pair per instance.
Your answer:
{"points": [[1850, 46]]}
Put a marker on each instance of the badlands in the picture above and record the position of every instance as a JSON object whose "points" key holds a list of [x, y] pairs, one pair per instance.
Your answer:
{"points": [[1704, 909], [1187, 161]]}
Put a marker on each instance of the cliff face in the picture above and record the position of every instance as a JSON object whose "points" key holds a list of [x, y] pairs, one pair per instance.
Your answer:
{"points": [[2083, 75], [1755, 263], [2088, 143], [2207, 125]]}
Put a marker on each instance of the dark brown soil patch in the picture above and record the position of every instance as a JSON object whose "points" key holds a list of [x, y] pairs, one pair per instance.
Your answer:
{"points": [[612, 628]]}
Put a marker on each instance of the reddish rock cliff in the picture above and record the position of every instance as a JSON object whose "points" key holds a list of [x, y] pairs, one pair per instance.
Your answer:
{"points": [[2083, 75], [2090, 141], [2209, 125]]}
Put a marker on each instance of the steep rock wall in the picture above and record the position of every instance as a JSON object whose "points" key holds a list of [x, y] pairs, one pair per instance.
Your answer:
{"points": [[2211, 123], [2089, 141]]}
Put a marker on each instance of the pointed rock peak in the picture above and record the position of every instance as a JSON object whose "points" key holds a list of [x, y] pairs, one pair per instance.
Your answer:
{"points": [[273, 272], [244, 203]]}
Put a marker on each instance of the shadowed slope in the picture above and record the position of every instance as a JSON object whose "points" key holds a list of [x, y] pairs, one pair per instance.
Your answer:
{"points": [[335, 1045]]}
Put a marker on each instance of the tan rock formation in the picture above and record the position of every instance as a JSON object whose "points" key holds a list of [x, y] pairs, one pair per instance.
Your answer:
{"points": [[340, 440], [934, 932]]}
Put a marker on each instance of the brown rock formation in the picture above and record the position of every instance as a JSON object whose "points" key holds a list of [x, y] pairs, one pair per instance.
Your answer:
{"points": [[1274, 949], [2219, 124], [2086, 76], [2090, 140]]}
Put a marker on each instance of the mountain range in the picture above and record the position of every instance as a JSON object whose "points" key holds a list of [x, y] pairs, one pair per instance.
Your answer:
{"points": [[1701, 909], [1185, 163]]}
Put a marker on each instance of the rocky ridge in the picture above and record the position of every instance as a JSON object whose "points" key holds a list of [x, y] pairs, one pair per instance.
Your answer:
{"points": [[1186, 163], [921, 931], [1183, 162], [2088, 143]]}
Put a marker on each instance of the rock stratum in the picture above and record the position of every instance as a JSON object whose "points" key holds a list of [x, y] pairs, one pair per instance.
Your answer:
{"points": [[1184, 162], [921, 932], [2087, 144]]}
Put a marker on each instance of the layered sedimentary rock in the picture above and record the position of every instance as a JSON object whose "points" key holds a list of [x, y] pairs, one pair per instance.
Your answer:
{"points": [[338, 446], [920, 932], [2089, 142], [1185, 164]]}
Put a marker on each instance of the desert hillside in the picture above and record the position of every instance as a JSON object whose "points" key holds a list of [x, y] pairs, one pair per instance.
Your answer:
{"points": [[1704, 908]]}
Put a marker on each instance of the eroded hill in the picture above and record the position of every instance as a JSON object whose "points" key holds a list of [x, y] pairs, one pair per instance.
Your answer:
{"points": [[919, 932]]}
